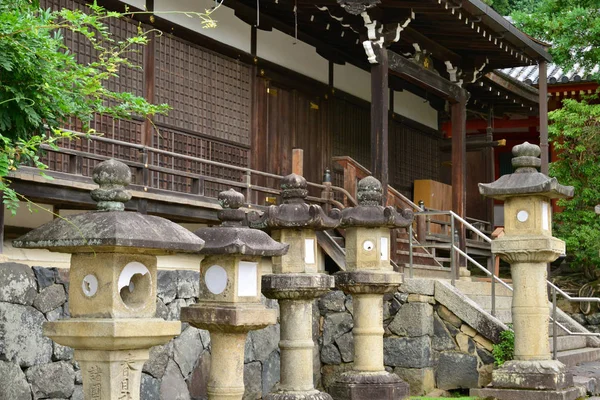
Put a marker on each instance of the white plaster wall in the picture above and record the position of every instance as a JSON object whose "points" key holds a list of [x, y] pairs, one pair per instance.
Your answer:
{"points": [[416, 108], [141, 4], [282, 49], [230, 30], [26, 218], [352, 80]]}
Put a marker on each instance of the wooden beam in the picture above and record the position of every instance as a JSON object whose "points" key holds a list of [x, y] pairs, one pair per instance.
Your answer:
{"points": [[410, 35], [459, 155], [529, 93], [498, 123], [543, 91], [379, 120], [418, 75]]}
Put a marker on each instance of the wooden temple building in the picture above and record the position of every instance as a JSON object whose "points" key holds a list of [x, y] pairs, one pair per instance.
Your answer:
{"points": [[388, 87]]}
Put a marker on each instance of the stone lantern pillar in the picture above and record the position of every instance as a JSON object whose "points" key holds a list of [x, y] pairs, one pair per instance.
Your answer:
{"points": [[368, 276], [112, 292], [230, 296], [295, 283], [528, 246]]}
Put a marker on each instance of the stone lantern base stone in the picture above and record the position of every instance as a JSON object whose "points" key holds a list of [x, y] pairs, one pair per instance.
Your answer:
{"points": [[369, 386], [296, 286], [571, 393], [228, 318], [311, 395], [368, 282], [538, 375]]}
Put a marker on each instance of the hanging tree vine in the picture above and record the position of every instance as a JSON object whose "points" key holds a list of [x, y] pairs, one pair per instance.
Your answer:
{"points": [[43, 86]]}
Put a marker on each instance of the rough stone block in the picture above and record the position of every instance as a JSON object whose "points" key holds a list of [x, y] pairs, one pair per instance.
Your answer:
{"points": [[456, 371], [187, 347], [449, 316], [188, 284], [61, 353], [264, 342], [332, 302], [442, 339], [159, 358], [335, 325], [270, 372], [330, 354], [44, 276], [50, 298], [345, 344], [418, 286], [465, 343], [150, 389], [13, 383], [17, 284], [166, 282], [420, 380], [419, 298], [466, 329], [198, 381], [413, 319], [468, 311], [407, 352], [485, 356], [173, 386], [78, 393], [486, 344], [252, 381], [51, 380], [22, 338]]}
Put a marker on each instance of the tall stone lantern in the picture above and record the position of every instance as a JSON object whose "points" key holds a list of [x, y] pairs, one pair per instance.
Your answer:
{"points": [[112, 291], [528, 246], [295, 283], [230, 294], [368, 276]]}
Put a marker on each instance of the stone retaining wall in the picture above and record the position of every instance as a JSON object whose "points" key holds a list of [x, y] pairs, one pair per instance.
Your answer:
{"points": [[426, 343]]}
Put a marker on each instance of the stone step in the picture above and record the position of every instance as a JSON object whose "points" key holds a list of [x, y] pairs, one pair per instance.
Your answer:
{"points": [[481, 288], [485, 301], [503, 315], [565, 343], [427, 271], [403, 257], [573, 357]]}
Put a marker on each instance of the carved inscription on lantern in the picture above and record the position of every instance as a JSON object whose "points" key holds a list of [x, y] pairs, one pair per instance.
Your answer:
{"points": [[125, 393], [95, 382]]}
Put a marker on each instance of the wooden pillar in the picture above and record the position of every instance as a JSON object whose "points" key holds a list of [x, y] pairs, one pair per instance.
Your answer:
{"points": [[149, 85], [543, 92], [298, 162], [459, 155], [491, 173], [379, 119]]}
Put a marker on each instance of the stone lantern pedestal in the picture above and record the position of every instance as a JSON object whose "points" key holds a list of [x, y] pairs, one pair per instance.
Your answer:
{"points": [[528, 246], [112, 294], [368, 276], [230, 289], [295, 283]]}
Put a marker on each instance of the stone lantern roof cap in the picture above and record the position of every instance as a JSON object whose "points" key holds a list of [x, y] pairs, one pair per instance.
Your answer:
{"points": [[526, 180], [294, 213], [110, 228], [370, 213], [233, 236]]}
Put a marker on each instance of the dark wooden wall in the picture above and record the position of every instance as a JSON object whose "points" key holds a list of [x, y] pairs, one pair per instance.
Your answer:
{"points": [[232, 111]]}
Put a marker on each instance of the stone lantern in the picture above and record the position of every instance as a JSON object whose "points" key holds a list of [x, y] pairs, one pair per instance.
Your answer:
{"points": [[295, 283], [230, 294], [112, 291], [368, 276], [528, 246]]}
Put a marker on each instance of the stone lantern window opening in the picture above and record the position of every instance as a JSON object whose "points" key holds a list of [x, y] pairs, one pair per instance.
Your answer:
{"points": [[216, 279], [135, 285], [89, 285]]}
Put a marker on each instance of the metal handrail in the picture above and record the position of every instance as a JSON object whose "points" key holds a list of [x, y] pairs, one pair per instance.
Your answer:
{"points": [[554, 289]]}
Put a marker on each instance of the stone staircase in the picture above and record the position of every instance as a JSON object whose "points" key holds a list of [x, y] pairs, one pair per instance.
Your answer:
{"points": [[572, 350]]}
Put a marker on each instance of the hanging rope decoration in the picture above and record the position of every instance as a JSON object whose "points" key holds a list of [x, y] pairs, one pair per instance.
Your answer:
{"points": [[257, 13], [295, 21]]}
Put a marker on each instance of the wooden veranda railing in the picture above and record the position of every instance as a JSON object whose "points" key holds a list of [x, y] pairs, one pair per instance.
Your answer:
{"points": [[150, 172]]}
